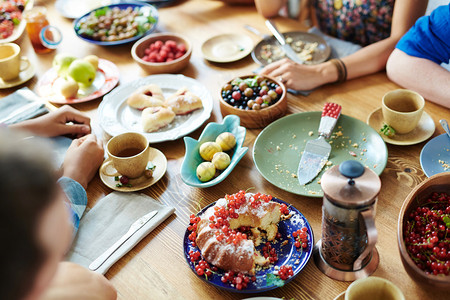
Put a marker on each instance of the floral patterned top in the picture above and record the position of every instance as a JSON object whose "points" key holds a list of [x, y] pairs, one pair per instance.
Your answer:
{"points": [[359, 21]]}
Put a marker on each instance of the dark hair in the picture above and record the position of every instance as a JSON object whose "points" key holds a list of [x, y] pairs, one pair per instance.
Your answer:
{"points": [[27, 188]]}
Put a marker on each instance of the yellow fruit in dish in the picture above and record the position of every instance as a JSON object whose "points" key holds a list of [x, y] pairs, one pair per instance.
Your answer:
{"points": [[226, 141], [221, 160], [69, 88], [93, 59], [206, 171], [208, 149]]}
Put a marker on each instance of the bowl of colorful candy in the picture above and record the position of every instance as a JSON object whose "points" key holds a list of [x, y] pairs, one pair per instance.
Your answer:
{"points": [[257, 99], [117, 24], [162, 53], [424, 232]]}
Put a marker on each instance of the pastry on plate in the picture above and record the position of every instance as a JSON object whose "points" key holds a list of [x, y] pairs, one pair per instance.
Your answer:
{"points": [[184, 102], [154, 118], [150, 95], [217, 236]]}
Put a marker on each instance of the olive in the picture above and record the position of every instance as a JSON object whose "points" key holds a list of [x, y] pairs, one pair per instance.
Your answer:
{"points": [[248, 92], [227, 87], [243, 86], [266, 99], [250, 103], [272, 94], [256, 106], [264, 105]]}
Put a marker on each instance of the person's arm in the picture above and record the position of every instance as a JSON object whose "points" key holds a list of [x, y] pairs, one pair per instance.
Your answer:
{"points": [[368, 60], [421, 75], [64, 121], [72, 281]]}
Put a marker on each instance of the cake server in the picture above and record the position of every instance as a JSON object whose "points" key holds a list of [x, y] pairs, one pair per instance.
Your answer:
{"points": [[317, 151], [290, 53], [133, 229]]}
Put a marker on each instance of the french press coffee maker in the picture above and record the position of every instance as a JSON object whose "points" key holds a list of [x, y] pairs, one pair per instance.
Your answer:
{"points": [[347, 249]]}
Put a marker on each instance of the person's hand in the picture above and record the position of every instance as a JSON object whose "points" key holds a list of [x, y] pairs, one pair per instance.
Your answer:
{"points": [[73, 281], [83, 158], [300, 77], [64, 121]]}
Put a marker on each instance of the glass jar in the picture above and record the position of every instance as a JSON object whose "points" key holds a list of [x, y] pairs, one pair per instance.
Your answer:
{"points": [[36, 20]]}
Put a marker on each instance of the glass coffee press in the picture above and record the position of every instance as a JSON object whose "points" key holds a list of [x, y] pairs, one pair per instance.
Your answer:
{"points": [[347, 250]]}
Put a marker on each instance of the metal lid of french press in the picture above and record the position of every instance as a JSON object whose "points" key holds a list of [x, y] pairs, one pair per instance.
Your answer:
{"points": [[351, 184]]}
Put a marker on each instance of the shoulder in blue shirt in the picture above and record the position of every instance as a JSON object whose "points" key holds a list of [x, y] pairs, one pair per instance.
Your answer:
{"points": [[429, 38]]}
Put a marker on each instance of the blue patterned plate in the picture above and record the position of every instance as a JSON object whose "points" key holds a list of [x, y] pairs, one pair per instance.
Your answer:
{"points": [[435, 155], [147, 10], [287, 254]]}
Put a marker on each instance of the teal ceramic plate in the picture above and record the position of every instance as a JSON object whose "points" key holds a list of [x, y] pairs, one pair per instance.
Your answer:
{"points": [[192, 157], [279, 146]]}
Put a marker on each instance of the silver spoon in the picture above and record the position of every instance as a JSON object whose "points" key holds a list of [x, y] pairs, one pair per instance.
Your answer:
{"points": [[445, 126]]}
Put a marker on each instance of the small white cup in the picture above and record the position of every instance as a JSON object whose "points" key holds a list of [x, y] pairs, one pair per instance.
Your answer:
{"points": [[373, 288], [11, 63]]}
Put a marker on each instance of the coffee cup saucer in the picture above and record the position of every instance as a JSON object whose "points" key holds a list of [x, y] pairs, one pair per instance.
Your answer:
{"points": [[341, 296], [424, 130], [156, 157], [23, 77]]}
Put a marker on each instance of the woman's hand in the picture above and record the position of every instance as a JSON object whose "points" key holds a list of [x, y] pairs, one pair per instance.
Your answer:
{"points": [[64, 121], [83, 158], [301, 77]]}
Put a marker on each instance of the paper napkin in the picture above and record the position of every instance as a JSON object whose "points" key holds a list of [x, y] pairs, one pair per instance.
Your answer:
{"points": [[108, 221], [21, 105]]}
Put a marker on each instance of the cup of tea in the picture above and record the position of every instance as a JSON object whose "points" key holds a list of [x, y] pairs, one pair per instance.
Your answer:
{"points": [[402, 110], [128, 153], [373, 288], [11, 63]]}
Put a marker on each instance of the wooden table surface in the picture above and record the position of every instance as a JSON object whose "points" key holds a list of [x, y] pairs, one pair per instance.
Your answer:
{"points": [[156, 267]]}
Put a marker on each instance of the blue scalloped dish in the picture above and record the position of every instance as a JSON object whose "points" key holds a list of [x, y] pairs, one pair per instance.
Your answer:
{"points": [[192, 157], [148, 10], [287, 254]]}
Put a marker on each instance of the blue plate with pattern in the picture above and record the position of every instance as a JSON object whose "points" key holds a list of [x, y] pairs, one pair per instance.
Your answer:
{"points": [[148, 15], [435, 155], [287, 255]]}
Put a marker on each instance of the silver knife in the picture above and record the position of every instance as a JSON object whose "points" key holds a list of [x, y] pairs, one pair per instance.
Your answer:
{"points": [[290, 53], [317, 151], [133, 229]]}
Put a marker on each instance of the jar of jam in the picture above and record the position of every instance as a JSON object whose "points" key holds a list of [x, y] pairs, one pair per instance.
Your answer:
{"points": [[36, 20]]}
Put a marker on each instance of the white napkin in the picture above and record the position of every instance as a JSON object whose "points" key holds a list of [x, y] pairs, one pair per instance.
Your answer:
{"points": [[108, 221]]}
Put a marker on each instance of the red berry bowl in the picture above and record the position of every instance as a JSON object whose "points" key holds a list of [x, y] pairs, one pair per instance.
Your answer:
{"points": [[424, 232], [257, 100], [162, 53]]}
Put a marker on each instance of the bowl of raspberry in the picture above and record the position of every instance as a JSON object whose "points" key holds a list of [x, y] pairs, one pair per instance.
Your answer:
{"points": [[162, 53], [257, 100], [424, 232]]}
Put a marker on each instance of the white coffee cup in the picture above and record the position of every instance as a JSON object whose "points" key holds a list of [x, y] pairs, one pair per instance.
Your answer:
{"points": [[373, 288], [11, 63]]}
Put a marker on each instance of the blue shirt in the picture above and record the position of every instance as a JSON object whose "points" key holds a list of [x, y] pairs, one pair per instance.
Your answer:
{"points": [[77, 197], [429, 38]]}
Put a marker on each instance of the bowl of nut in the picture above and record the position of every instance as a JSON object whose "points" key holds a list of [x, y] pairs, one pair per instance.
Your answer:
{"points": [[162, 53], [424, 232], [117, 24], [257, 99], [212, 157]]}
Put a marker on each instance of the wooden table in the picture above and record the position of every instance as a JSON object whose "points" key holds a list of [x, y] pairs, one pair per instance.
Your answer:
{"points": [[156, 267]]}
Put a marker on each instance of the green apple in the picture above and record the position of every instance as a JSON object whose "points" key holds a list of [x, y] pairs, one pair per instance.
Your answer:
{"points": [[82, 72], [93, 59], [61, 63]]}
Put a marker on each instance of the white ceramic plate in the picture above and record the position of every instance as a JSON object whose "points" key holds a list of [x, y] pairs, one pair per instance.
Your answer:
{"points": [[227, 47], [73, 9], [116, 117], [18, 30]]}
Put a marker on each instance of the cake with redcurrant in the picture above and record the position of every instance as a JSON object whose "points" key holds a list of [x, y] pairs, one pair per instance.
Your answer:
{"points": [[221, 239]]}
